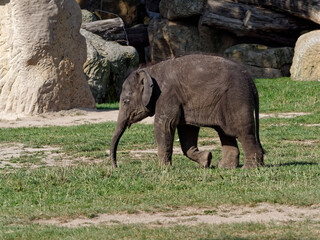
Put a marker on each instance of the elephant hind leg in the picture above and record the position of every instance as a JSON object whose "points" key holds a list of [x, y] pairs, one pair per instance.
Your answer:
{"points": [[188, 139], [252, 151], [230, 151]]}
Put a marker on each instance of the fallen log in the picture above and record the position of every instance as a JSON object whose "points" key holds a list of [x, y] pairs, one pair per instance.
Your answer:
{"points": [[252, 21], [109, 29], [301, 8]]}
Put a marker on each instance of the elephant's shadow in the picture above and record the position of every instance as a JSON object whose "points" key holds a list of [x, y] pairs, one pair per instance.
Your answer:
{"points": [[279, 165], [295, 163]]}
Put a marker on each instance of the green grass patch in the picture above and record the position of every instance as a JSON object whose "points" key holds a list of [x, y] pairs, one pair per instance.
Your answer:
{"points": [[108, 106], [285, 95], [276, 95], [251, 231], [83, 140], [291, 176]]}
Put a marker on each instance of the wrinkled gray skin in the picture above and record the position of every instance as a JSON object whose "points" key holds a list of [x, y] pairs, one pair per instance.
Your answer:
{"points": [[190, 92]]}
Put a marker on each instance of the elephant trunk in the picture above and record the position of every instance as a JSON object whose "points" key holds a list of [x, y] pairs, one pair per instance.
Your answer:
{"points": [[120, 128]]}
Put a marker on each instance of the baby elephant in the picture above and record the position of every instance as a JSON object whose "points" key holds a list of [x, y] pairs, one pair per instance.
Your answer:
{"points": [[190, 92]]}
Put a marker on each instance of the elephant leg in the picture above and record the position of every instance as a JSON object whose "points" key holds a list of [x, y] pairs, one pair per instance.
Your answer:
{"points": [[188, 136], [252, 151], [164, 135], [230, 151]]}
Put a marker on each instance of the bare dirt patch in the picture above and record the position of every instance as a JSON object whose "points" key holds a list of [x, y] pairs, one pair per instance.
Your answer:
{"points": [[176, 150], [283, 115], [303, 142], [311, 125], [83, 116], [194, 216], [16, 155], [61, 118]]}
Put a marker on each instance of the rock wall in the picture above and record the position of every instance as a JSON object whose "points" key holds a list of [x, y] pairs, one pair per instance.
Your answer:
{"points": [[188, 26], [260, 34], [262, 61], [170, 39], [41, 57]]}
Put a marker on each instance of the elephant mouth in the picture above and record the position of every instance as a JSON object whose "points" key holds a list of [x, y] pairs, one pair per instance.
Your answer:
{"points": [[131, 119], [135, 117]]}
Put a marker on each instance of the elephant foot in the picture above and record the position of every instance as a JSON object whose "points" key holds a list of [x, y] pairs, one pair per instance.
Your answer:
{"points": [[253, 164], [165, 163], [230, 158], [255, 161], [205, 159], [228, 164]]}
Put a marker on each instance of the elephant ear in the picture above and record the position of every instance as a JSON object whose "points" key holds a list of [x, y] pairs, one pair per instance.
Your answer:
{"points": [[147, 88]]}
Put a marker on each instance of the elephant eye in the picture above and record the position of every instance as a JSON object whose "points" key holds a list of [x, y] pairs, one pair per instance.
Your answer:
{"points": [[126, 101]]}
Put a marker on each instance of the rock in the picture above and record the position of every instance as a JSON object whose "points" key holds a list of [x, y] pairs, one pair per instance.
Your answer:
{"points": [[306, 60], [106, 66], [41, 57], [262, 61], [176, 9], [301, 8], [88, 16], [215, 40], [252, 21], [172, 39]]}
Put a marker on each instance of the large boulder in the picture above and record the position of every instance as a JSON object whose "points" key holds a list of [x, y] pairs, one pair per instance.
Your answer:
{"points": [[176, 9], [262, 61], [172, 39], [306, 60], [88, 16], [41, 57], [106, 66]]}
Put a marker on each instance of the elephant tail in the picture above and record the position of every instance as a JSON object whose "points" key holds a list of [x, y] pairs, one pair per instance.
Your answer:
{"points": [[256, 110]]}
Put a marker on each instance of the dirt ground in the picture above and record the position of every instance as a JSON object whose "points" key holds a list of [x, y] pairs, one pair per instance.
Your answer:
{"points": [[62, 118], [49, 156], [194, 216], [83, 116]]}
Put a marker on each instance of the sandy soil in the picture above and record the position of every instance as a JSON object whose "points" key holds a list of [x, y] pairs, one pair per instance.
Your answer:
{"points": [[193, 216], [82, 116], [16, 155], [62, 118]]}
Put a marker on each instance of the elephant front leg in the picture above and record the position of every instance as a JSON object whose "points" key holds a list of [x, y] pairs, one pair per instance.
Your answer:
{"points": [[230, 151], [188, 136], [164, 131]]}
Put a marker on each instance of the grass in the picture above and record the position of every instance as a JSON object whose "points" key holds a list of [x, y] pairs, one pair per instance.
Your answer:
{"points": [[276, 95], [285, 95], [108, 106], [251, 231], [291, 177]]}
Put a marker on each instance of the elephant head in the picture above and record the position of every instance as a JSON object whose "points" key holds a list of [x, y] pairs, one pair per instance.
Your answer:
{"points": [[136, 103]]}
